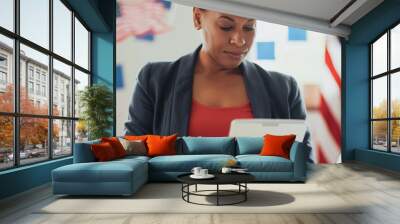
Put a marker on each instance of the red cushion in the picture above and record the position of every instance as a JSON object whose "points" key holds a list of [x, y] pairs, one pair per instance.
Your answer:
{"points": [[161, 145], [116, 145], [103, 152], [277, 145]]}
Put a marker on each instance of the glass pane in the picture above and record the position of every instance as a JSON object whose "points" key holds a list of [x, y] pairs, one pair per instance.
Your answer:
{"points": [[62, 138], [395, 132], [62, 89], [35, 21], [7, 14], [379, 135], [81, 131], [33, 139], [81, 81], [6, 74], [395, 47], [62, 29], [379, 55], [379, 97], [81, 45], [395, 94], [6, 142], [34, 97]]}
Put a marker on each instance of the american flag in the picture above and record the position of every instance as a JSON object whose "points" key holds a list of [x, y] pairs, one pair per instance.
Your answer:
{"points": [[326, 121], [140, 18]]}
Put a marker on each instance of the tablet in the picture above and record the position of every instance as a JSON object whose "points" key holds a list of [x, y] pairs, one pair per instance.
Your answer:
{"points": [[260, 127]]}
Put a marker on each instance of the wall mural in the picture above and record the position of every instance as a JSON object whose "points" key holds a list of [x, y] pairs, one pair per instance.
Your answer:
{"points": [[155, 30]]}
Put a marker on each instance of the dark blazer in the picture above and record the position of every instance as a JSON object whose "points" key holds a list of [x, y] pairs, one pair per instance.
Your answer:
{"points": [[162, 100]]}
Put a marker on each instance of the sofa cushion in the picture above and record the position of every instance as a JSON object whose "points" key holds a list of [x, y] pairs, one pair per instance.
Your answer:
{"points": [[249, 145], [111, 171], [103, 152], [257, 163], [161, 145], [207, 145], [277, 145], [116, 145], [185, 163]]}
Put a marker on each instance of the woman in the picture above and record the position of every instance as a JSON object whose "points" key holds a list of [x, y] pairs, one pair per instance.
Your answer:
{"points": [[201, 93]]}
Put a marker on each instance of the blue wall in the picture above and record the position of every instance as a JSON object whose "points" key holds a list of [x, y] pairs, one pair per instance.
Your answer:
{"points": [[24, 178], [99, 15], [356, 86]]}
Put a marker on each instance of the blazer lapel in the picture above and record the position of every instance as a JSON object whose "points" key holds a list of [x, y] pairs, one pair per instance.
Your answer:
{"points": [[182, 94], [256, 91]]}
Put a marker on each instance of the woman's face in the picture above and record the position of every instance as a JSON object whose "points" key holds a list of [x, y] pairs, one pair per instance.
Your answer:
{"points": [[227, 38]]}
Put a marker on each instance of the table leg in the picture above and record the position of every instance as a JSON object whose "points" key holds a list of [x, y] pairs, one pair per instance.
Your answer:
{"points": [[196, 188], [245, 193], [217, 194]]}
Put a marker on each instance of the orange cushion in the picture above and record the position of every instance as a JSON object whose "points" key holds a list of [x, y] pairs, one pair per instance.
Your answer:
{"points": [[136, 137], [103, 151], [161, 145], [277, 145], [116, 145]]}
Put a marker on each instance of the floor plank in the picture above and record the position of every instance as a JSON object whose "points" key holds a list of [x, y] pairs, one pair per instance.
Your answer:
{"points": [[376, 189]]}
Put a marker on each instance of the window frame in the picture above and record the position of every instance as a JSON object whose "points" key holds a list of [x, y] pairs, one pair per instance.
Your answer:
{"points": [[16, 115], [388, 74]]}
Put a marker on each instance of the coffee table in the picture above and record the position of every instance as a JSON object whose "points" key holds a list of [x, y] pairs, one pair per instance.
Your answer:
{"points": [[238, 179]]}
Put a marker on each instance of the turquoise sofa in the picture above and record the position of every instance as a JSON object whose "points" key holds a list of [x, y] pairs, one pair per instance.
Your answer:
{"points": [[125, 176]]}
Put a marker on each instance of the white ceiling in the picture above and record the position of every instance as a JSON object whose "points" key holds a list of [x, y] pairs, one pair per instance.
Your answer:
{"points": [[325, 16]]}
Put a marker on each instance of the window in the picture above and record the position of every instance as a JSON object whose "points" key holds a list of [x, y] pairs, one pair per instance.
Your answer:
{"points": [[3, 72], [385, 94], [30, 72], [37, 75], [43, 77], [44, 91], [54, 125], [30, 87], [3, 61], [38, 89]]}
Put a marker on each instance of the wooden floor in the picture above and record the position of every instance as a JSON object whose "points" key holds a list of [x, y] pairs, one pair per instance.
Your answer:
{"points": [[378, 188]]}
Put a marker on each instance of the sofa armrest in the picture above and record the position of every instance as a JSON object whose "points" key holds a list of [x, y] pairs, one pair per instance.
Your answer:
{"points": [[298, 157], [83, 152]]}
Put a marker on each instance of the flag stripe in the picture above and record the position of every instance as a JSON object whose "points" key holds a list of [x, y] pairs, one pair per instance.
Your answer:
{"points": [[321, 155], [332, 69], [333, 125]]}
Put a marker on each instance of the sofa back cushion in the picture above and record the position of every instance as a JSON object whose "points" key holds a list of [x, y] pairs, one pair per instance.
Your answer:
{"points": [[249, 145], [104, 152], [116, 145], [207, 145], [161, 145]]}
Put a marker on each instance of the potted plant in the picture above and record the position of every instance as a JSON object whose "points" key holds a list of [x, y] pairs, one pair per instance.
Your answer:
{"points": [[96, 104]]}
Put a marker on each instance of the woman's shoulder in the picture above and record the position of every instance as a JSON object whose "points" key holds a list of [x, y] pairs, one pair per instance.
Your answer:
{"points": [[162, 68], [274, 77]]}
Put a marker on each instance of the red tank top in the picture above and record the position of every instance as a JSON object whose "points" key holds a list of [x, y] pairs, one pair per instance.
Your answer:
{"points": [[209, 121]]}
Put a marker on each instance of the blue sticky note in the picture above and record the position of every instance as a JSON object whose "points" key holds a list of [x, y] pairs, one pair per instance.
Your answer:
{"points": [[119, 79], [147, 37], [266, 50], [296, 34], [166, 4]]}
